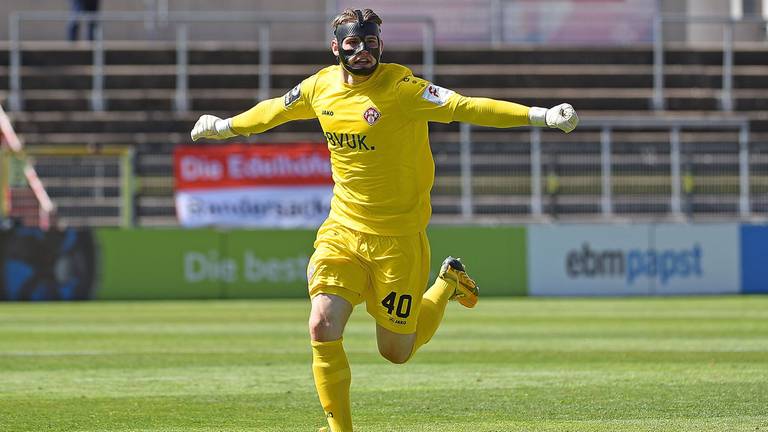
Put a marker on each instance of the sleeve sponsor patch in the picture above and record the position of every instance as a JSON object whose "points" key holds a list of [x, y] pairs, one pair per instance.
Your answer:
{"points": [[292, 96], [436, 94]]}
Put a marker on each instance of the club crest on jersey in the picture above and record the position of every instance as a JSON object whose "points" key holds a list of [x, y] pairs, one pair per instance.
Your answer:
{"points": [[436, 94], [371, 115]]}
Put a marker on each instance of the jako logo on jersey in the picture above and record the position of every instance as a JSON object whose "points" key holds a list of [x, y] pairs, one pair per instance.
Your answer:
{"points": [[352, 141], [634, 263], [436, 94], [292, 96], [328, 113], [371, 115]]}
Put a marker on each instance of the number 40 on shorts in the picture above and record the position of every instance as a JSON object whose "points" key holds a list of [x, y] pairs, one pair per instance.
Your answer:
{"points": [[400, 306]]}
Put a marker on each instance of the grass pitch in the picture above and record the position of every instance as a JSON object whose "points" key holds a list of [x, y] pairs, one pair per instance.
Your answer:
{"points": [[659, 364]]}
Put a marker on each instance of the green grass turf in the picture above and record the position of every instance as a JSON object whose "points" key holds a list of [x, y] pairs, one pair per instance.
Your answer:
{"points": [[639, 364]]}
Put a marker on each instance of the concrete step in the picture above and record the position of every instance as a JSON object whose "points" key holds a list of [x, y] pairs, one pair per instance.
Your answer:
{"points": [[285, 77], [232, 101], [130, 122], [238, 100], [153, 52], [151, 141], [89, 220], [307, 69], [143, 126]]}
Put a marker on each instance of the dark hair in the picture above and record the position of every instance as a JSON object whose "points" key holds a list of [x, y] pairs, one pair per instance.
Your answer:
{"points": [[349, 15]]}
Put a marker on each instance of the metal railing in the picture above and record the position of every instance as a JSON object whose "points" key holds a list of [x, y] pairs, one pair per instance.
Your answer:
{"points": [[726, 95], [606, 128], [83, 177], [181, 22]]}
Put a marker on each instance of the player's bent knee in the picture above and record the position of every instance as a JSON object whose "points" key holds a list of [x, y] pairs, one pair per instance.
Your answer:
{"points": [[394, 355], [395, 347]]}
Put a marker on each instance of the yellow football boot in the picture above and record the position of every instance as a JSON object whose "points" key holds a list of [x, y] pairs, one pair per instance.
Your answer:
{"points": [[467, 290]]}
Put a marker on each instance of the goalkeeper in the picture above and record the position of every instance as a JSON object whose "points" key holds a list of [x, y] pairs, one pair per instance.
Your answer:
{"points": [[373, 246]]}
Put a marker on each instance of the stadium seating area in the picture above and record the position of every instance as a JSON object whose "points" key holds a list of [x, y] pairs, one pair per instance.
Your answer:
{"points": [[140, 86]]}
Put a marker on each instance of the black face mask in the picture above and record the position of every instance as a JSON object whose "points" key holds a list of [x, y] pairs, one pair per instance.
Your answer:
{"points": [[361, 29]]}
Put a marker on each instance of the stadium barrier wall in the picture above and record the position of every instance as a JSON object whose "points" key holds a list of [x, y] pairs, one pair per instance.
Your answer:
{"points": [[202, 263], [206, 263], [541, 260], [614, 260], [38, 265], [754, 259]]}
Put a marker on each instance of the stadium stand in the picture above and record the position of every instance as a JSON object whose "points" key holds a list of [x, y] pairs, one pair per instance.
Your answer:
{"points": [[140, 81]]}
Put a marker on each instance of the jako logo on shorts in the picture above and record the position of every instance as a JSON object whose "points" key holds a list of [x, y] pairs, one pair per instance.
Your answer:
{"points": [[632, 264]]}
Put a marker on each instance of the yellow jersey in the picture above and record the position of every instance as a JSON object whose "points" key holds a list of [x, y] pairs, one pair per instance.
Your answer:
{"points": [[377, 134]]}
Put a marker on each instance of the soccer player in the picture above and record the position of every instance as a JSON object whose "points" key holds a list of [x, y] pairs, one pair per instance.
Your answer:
{"points": [[373, 246]]}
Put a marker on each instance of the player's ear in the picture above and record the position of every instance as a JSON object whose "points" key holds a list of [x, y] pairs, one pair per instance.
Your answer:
{"points": [[335, 47]]}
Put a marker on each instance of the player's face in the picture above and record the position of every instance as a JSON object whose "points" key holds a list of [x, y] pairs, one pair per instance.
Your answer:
{"points": [[363, 59]]}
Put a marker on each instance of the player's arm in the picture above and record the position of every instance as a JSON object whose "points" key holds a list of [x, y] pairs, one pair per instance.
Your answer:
{"points": [[502, 114], [262, 117], [426, 101]]}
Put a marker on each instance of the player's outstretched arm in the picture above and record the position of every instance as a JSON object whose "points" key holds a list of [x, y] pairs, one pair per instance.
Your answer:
{"points": [[262, 117], [426, 101], [266, 115], [212, 127], [562, 117], [503, 114]]}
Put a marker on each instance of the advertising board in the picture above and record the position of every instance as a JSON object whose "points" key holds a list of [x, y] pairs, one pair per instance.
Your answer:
{"points": [[237, 185], [754, 259], [633, 259]]}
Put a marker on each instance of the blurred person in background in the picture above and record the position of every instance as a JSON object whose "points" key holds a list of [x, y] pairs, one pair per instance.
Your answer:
{"points": [[373, 246], [82, 10]]}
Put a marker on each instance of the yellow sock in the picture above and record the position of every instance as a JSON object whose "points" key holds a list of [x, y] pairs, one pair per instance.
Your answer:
{"points": [[432, 308], [332, 379]]}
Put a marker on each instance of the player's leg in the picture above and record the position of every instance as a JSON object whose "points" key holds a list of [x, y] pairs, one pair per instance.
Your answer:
{"points": [[406, 316], [452, 283], [400, 271], [328, 317], [336, 280], [330, 367], [394, 347]]}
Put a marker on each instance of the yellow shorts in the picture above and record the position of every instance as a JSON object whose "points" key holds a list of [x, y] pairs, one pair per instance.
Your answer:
{"points": [[389, 273]]}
